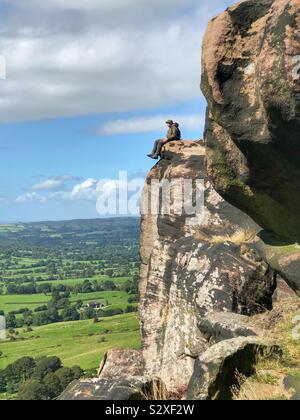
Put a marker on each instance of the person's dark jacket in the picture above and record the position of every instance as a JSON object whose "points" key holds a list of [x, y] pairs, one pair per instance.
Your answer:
{"points": [[174, 133]]}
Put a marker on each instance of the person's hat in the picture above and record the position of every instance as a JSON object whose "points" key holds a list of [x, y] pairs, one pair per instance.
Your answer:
{"points": [[169, 122]]}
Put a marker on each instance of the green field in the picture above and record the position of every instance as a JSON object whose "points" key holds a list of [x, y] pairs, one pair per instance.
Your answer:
{"points": [[10, 303], [72, 282], [99, 257], [76, 343]]}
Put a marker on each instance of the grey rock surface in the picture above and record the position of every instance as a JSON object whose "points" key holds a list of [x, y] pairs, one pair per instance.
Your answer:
{"points": [[102, 389], [220, 326], [122, 363], [217, 370]]}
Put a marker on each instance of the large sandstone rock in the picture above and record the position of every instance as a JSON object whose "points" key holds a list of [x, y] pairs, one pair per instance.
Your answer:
{"points": [[282, 256], [120, 378], [251, 79], [191, 267], [283, 291], [122, 363], [103, 389], [220, 326], [221, 367], [292, 385]]}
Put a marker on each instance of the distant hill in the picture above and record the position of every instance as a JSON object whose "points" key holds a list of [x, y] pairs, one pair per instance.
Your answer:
{"points": [[113, 232]]}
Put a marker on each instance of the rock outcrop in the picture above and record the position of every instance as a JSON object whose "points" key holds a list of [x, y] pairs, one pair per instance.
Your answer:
{"points": [[192, 267], [122, 363], [251, 79], [103, 389], [220, 326], [215, 375], [121, 377]]}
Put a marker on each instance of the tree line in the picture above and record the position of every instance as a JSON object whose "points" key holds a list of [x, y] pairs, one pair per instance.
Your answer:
{"points": [[43, 378]]}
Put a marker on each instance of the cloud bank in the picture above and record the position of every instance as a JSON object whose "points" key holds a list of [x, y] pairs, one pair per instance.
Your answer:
{"points": [[148, 124], [79, 57]]}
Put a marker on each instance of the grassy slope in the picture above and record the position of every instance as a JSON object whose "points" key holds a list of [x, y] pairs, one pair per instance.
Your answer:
{"points": [[76, 343], [278, 327]]}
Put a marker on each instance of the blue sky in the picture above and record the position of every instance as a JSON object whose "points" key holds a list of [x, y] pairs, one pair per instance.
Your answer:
{"points": [[89, 86]]}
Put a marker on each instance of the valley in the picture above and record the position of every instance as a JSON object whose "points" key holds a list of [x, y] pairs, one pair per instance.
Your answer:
{"points": [[69, 290]]}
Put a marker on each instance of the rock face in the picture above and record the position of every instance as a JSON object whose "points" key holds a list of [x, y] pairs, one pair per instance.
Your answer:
{"points": [[283, 257], [103, 389], [216, 370], [122, 363], [120, 378], [251, 79], [292, 385], [220, 326], [192, 267]]}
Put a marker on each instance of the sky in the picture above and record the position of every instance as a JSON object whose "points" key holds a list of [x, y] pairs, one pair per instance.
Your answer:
{"points": [[89, 85]]}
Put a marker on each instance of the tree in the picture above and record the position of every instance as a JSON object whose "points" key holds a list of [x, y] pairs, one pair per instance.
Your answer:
{"points": [[46, 365], [33, 390], [11, 321], [88, 313], [3, 382], [109, 285], [53, 385], [79, 304], [87, 287], [68, 375], [78, 372], [70, 314], [109, 272], [133, 299], [19, 372]]}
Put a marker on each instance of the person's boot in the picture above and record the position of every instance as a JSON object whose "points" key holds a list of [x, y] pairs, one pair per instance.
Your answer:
{"points": [[153, 156]]}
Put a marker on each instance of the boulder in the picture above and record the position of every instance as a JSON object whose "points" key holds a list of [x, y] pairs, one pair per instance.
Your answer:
{"points": [[220, 326], [120, 378], [223, 366], [283, 291], [102, 389], [121, 363], [282, 256], [292, 385]]}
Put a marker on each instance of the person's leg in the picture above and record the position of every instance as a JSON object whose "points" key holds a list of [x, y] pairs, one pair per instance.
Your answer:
{"points": [[159, 147], [156, 148]]}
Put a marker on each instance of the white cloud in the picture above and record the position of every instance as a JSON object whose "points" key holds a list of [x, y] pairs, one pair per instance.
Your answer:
{"points": [[31, 197], [50, 185], [89, 190], [149, 124], [84, 191], [69, 58]]}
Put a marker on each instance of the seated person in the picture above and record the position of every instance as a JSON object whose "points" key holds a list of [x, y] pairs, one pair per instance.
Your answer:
{"points": [[172, 135]]}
